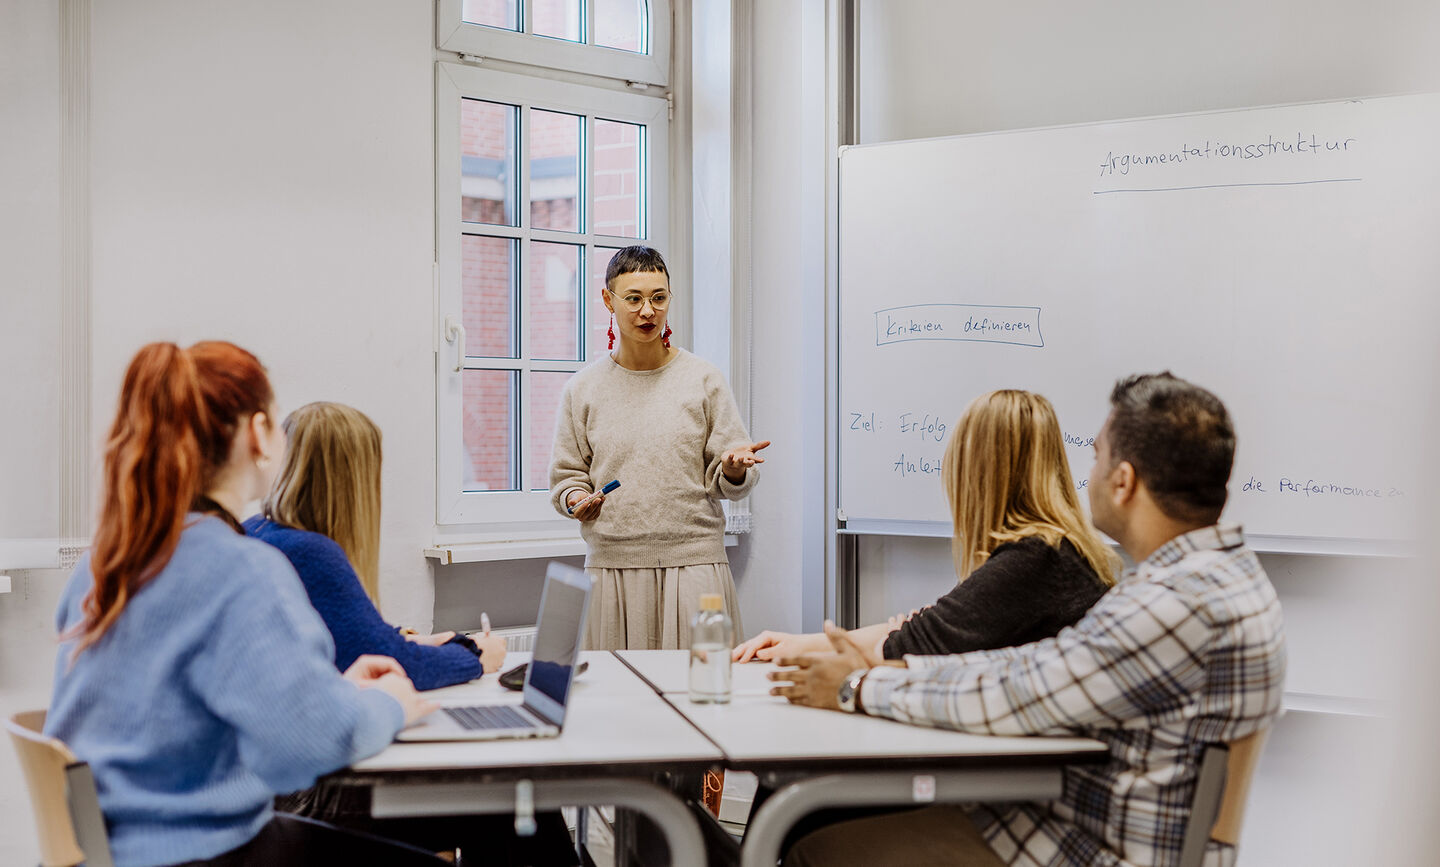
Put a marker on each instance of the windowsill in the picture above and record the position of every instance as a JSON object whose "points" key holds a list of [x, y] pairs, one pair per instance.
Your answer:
{"points": [[516, 549], [1304, 702]]}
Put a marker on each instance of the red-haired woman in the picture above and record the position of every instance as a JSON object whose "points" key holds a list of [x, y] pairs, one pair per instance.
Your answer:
{"points": [[193, 675]]}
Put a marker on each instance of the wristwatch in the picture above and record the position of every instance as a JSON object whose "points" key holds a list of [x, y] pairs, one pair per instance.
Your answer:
{"points": [[849, 690]]}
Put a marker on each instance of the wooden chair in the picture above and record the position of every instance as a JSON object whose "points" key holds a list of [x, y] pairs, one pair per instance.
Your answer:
{"points": [[1221, 791], [68, 821]]}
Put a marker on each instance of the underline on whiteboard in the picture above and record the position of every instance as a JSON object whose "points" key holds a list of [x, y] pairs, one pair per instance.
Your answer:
{"points": [[1222, 186]]}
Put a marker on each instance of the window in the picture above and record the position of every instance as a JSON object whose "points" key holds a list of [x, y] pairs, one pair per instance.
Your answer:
{"points": [[538, 183], [621, 39]]}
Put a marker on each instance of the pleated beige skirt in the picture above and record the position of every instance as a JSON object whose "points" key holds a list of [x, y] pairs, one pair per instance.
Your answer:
{"points": [[651, 609]]}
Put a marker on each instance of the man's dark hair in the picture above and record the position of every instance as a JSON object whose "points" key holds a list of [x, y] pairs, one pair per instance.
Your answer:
{"points": [[629, 260], [1180, 441]]}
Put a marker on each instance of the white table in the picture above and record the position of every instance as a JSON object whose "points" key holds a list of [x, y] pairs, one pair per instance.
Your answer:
{"points": [[668, 671], [819, 758], [629, 719], [618, 734]]}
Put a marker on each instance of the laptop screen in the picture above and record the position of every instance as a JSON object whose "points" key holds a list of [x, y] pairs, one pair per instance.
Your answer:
{"points": [[563, 606]]}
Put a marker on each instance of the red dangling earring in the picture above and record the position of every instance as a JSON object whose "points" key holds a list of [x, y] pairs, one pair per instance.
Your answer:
{"points": [[611, 331], [665, 337]]}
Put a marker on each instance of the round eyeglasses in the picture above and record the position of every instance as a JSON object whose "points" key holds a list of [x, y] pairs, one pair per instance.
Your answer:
{"points": [[635, 302]]}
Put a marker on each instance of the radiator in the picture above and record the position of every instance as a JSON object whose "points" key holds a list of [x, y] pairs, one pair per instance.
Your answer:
{"points": [[517, 638]]}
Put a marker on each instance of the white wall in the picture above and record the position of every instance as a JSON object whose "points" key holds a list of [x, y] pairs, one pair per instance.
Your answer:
{"points": [[788, 333], [29, 276], [929, 67], [29, 420], [932, 67], [262, 173]]}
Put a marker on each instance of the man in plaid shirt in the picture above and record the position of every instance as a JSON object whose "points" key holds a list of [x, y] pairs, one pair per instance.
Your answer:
{"points": [[1187, 650]]}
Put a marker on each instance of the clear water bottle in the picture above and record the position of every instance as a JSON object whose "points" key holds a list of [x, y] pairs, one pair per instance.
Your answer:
{"points": [[711, 638]]}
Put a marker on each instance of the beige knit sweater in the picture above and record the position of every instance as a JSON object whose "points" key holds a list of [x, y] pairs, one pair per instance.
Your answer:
{"points": [[661, 433]]}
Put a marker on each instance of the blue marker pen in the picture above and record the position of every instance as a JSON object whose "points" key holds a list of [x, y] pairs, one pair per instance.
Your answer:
{"points": [[600, 493]]}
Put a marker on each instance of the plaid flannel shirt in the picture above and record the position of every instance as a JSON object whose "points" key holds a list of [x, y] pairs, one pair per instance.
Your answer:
{"points": [[1187, 650]]}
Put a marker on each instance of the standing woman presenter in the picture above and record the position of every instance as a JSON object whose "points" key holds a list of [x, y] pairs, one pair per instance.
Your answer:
{"points": [[665, 425]]}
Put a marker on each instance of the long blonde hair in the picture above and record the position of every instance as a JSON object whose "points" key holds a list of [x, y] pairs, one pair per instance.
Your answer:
{"points": [[1007, 477], [330, 484]]}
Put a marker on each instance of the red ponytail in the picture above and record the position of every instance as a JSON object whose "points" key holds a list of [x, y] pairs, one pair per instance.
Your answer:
{"points": [[173, 429]]}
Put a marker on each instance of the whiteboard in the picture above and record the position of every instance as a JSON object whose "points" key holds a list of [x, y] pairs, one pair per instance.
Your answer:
{"points": [[1283, 257]]}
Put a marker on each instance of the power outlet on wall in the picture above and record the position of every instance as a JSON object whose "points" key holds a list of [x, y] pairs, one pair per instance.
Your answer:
{"points": [[4, 583]]}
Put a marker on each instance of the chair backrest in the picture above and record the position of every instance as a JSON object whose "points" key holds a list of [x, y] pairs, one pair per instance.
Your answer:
{"points": [[68, 821], [1239, 771], [1221, 790]]}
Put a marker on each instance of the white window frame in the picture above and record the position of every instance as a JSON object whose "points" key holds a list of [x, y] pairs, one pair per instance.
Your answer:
{"points": [[453, 33], [521, 510]]}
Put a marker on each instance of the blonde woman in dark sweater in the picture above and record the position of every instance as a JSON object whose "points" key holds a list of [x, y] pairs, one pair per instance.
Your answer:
{"points": [[1028, 560]]}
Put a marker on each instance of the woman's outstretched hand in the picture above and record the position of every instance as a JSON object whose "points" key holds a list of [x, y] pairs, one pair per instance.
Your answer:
{"points": [[768, 646], [736, 461]]}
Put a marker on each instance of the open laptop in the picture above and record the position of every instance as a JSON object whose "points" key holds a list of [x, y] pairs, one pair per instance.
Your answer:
{"points": [[563, 605]]}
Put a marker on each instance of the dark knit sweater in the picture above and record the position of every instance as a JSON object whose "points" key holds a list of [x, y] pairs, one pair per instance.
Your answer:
{"points": [[335, 591], [1024, 592]]}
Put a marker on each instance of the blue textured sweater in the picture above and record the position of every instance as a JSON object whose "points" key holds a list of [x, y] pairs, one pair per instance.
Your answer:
{"points": [[213, 692], [356, 626]]}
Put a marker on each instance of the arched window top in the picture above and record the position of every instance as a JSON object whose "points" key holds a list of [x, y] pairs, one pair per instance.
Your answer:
{"points": [[622, 39]]}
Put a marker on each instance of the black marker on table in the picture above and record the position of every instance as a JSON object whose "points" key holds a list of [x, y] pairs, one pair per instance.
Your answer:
{"points": [[570, 510]]}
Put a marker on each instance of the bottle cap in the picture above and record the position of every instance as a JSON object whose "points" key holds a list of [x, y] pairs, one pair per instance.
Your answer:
{"points": [[712, 602]]}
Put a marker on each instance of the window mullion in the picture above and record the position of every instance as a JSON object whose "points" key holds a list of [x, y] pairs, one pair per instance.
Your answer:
{"points": [[642, 182], [587, 228], [555, 366], [517, 412], [483, 362], [490, 230], [557, 236], [523, 258], [524, 365]]}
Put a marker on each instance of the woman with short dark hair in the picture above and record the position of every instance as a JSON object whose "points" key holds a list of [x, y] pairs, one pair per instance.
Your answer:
{"points": [[663, 423]]}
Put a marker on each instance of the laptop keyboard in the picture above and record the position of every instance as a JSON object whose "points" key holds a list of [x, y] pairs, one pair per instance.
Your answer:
{"points": [[489, 717]]}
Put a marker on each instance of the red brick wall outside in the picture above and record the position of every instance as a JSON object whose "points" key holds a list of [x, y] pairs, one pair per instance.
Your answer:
{"points": [[617, 22], [488, 429], [488, 295], [554, 136], [597, 318], [492, 13], [554, 301], [616, 178], [486, 132], [557, 18], [545, 388]]}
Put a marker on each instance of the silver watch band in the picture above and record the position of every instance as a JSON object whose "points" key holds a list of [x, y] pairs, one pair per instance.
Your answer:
{"points": [[849, 693]]}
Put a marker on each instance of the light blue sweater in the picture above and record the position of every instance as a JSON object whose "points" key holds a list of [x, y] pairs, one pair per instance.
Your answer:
{"points": [[213, 692]]}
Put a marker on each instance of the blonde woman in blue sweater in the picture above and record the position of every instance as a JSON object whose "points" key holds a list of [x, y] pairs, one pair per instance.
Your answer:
{"points": [[192, 675], [323, 513]]}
